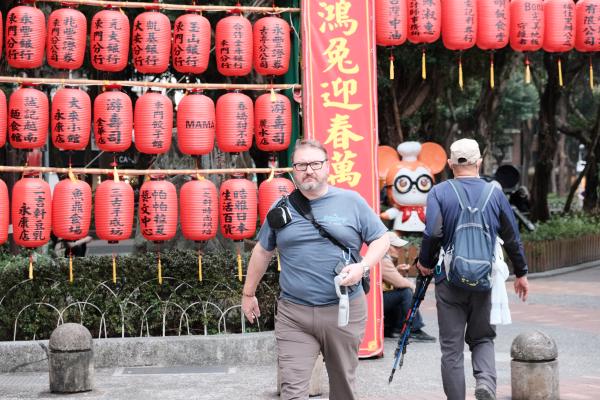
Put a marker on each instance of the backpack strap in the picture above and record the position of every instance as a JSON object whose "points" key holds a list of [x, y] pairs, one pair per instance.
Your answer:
{"points": [[485, 196], [460, 193]]}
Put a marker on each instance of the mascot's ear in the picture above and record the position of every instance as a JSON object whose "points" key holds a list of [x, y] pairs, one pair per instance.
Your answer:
{"points": [[434, 156], [386, 157]]}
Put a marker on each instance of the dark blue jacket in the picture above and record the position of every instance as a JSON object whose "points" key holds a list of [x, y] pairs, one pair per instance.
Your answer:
{"points": [[442, 214]]}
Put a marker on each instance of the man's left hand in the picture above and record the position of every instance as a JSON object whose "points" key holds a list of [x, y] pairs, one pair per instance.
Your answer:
{"points": [[424, 270], [355, 273]]}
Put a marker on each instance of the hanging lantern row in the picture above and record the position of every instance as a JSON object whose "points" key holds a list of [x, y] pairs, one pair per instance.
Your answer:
{"points": [[234, 121], [35, 212], [491, 25], [238, 46]]}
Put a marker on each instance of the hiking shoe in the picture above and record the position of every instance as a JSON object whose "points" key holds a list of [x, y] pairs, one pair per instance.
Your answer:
{"points": [[421, 336], [482, 392]]}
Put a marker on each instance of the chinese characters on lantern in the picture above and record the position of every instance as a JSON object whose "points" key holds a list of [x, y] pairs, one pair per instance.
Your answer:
{"points": [[31, 222], [273, 132], [186, 43], [501, 20], [63, 40], [235, 210], [339, 94], [568, 27], [395, 20], [531, 35], [116, 202], [106, 47], [76, 212], [145, 42], [207, 212], [422, 12], [591, 22], [270, 48], [469, 34], [153, 209], [110, 131], [24, 122], [158, 125], [241, 117], [68, 123], [19, 36]]}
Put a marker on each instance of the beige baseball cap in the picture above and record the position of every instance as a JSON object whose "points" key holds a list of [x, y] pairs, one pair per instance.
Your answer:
{"points": [[464, 152], [395, 240]]}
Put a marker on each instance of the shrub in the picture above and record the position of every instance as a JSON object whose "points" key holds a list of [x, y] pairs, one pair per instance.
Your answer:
{"points": [[562, 227]]}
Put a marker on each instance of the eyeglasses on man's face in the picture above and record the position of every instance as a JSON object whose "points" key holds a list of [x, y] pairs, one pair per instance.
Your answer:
{"points": [[404, 183], [314, 165]]}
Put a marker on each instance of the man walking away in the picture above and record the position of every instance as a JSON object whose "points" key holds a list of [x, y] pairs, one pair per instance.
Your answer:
{"points": [[463, 314]]}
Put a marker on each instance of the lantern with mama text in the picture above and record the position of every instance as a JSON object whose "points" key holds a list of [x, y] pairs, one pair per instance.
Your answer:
{"points": [[65, 46], [4, 212], [273, 122], [113, 213], [459, 21], [158, 213], [233, 46], [27, 118], [25, 37], [271, 46], [31, 214], [199, 204], [109, 41], [71, 119], [237, 202], [151, 42], [113, 120], [526, 28], [191, 43], [424, 25], [3, 117], [587, 34], [560, 15], [235, 122], [196, 124], [153, 123], [271, 191], [492, 28]]}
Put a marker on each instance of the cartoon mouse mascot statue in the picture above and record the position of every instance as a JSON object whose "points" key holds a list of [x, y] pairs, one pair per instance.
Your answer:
{"points": [[408, 181]]}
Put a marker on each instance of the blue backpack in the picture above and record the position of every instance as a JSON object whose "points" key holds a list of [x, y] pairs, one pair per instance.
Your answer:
{"points": [[471, 247]]}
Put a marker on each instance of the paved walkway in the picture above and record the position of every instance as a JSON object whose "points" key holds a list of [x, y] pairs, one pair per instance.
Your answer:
{"points": [[566, 306]]}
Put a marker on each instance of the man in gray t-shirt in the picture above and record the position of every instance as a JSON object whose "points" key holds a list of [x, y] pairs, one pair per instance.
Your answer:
{"points": [[307, 312]]}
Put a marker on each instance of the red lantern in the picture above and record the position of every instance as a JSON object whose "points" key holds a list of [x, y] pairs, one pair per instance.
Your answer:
{"points": [[238, 208], [459, 21], [25, 37], [1, 38], [235, 122], [492, 24], [3, 117], [153, 123], [199, 200], [233, 46], [273, 122], [27, 118], [191, 44], [113, 210], [71, 119], [31, 212], [271, 191], [560, 15], [151, 42], [196, 124], [113, 121], [71, 209], [67, 32], [425, 21], [526, 25], [391, 22], [158, 210], [109, 41], [587, 16], [271, 46], [4, 212]]}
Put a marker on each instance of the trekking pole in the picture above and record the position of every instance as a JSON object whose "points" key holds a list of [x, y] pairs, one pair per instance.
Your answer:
{"points": [[418, 296]]}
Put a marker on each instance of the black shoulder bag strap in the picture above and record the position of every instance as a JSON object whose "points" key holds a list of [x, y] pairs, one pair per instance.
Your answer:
{"points": [[302, 205]]}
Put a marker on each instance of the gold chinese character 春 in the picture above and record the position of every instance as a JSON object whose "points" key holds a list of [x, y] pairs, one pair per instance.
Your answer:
{"points": [[340, 133]]}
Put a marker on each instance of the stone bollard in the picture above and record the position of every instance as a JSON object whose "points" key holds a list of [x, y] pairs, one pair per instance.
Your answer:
{"points": [[534, 367], [71, 359], [316, 379]]}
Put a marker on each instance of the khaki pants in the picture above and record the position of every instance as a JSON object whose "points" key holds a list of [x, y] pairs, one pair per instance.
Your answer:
{"points": [[303, 331]]}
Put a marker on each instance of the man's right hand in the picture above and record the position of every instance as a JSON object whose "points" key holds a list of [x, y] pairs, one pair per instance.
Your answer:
{"points": [[250, 307], [424, 270], [522, 287]]}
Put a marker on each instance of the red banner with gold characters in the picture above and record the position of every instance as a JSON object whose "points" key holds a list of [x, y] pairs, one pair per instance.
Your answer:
{"points": [[339, 102]]}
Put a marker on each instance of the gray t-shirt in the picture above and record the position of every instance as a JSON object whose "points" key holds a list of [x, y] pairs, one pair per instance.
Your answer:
{"points": [[307, 259]]}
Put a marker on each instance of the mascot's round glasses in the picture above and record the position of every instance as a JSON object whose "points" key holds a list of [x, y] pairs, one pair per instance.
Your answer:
{"points": [[404, 183]]}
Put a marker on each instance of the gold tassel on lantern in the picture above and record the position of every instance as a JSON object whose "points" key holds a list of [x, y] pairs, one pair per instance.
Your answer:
{"points": [[199, 266], [159, 270], [70, 267], [273, 98], [239, 264], [114, 268], [527, 71], [391, 67], [30, 267], [460, 73], [492, 83], [560, 77], [423, 65]]}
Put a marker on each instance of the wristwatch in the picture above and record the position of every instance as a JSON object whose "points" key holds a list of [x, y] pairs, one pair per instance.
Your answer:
{"points": [[366, 269]]}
